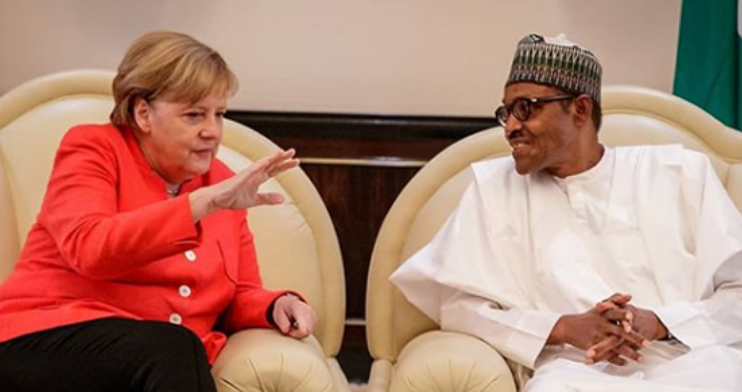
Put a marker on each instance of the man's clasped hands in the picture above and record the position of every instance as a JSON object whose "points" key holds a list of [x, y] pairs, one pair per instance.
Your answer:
{"points": [[613, 330]]}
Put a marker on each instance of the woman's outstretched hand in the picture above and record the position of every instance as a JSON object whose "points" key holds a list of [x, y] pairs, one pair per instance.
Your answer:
{"points": [[241, 190]]}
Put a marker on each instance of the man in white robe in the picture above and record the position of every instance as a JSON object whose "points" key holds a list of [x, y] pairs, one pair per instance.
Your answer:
{"points": [[601, 269]]}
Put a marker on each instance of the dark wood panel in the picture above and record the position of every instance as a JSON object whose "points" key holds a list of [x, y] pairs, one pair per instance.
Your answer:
{"points": [[364, 126], [357, 198], [372, 149]]}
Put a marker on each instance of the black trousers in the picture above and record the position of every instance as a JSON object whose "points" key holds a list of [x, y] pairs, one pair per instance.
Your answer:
{"points": [[109, 355]]}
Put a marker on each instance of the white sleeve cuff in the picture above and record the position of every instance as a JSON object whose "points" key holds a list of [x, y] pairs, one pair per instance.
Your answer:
{"points": [[519, 335], [528, 341], [684, 321]]}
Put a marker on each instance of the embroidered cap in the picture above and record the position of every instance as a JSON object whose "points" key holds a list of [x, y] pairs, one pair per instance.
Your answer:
{"points": [[558, 62]]}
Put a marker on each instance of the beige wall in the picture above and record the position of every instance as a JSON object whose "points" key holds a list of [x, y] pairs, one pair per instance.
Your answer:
{"points": [[435, 57]]}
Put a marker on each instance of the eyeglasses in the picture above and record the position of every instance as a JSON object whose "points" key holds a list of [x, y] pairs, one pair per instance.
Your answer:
{"points": [[521, 108]]}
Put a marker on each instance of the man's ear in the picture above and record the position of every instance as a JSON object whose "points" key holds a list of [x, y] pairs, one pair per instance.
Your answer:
{"points": [[142, 113], [583, 109]]}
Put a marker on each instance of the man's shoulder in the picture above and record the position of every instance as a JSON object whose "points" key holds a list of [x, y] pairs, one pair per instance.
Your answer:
{"points": [[497, 181], [654, 149], [657, 164], [661, 154], [502, 166]]}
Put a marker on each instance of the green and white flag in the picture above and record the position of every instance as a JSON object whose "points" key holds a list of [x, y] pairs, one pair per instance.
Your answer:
{"points": [[708, 71]]}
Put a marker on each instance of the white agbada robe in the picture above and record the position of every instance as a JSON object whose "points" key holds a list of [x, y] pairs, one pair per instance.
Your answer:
{"points": [[519, 251]]}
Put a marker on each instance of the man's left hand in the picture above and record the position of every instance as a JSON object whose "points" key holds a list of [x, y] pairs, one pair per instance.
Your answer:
{"points": [[643, 321], [617, 310]]}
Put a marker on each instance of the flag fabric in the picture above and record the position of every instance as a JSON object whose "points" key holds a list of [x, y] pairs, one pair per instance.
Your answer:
{"points": [[707, 70]]}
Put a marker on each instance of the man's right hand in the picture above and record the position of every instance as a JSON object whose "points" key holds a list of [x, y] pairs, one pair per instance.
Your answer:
{"points": [[241, 190], [592, 331]]}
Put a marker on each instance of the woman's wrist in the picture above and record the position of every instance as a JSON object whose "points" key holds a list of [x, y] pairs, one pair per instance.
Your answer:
{"points": [[202, 203], [272, 306]]}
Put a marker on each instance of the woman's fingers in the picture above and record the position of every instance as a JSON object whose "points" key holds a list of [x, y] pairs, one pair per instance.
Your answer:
{"points": [[294, 317], [283, 322], [273, 164], [242, 190], [270, 198], [304, 318], [300, 329], [280, 161]]}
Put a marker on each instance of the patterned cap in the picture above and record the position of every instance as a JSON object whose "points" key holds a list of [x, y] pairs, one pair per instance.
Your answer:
{"points": [[555, 61]]}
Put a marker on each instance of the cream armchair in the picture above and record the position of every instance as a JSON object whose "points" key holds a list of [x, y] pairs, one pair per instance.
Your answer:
{"points": [[410, 353], [33, 118]]}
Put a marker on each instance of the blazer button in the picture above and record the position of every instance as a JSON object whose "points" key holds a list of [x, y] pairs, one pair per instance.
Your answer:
{"points": [[184, 291], [190, 255], [176, 319]]}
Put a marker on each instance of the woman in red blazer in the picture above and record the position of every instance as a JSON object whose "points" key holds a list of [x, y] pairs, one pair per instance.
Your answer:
{"points": [[140, 260]]}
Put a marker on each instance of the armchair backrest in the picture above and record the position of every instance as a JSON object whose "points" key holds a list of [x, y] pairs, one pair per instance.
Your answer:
{"points": [[631, 116], [296, 241]]}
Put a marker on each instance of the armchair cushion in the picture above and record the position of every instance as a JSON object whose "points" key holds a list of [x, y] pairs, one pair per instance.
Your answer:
{"points": [[469, 364], [263, 360]]}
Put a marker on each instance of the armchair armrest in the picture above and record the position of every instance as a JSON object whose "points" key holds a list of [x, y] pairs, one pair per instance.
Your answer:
{"points": [[263, 360], [449, 361]]}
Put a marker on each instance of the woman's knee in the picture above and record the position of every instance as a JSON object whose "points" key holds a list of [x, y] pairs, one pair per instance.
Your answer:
{"points": [[170, 355], [164, 341]]}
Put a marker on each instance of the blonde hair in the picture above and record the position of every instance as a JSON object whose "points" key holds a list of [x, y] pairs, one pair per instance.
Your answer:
{"points": [[169, 64]]}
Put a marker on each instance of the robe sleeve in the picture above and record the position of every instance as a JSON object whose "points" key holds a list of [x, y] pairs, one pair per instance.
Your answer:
{"points": [[80, 211], [715, 232], [518, 334], [466, 286]]}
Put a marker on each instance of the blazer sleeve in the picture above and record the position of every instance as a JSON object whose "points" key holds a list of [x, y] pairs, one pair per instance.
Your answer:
{"points": [[80, 211]]}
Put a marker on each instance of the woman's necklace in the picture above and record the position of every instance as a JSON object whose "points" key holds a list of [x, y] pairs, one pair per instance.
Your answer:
{"points": [[172, 189]]}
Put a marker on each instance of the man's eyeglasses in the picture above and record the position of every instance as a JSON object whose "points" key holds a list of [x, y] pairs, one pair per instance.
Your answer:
{"points": [[521, 108]]}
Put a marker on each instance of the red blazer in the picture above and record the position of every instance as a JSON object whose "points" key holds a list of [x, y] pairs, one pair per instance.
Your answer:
{"points": [[108, 242]]}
